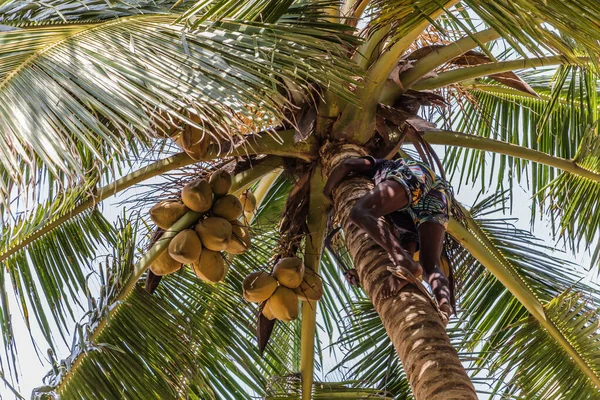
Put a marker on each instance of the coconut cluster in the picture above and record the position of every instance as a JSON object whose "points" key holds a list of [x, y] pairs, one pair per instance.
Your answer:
{"points": [[218, 229], [280, 290]]}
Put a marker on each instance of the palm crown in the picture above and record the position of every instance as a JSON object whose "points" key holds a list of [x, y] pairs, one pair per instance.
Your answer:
{"points": [[91, 89]]}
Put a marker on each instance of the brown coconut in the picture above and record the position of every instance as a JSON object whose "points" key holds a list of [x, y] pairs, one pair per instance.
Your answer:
{"points": [[195, 141], [240, 238], [266, 311], [197, 195], [248, 201], [284, 304], [167, 212], [164, 264], [215, 233], [311, 287], [210, 267], [220, 182], [289, 272], [185, 247], [258, 286], [228, 207]]}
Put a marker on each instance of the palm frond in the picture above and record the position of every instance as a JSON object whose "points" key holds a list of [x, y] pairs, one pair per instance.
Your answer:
{"points": [[257, 10], [560, 123], [190, 337], [530, 27], [49, 276], [288, 388], [13, 12], [571, 201], [545, 371], [491, 315], [75, 89], [553, 124]]}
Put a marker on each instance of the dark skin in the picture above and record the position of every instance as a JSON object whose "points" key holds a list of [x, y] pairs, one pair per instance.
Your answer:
{"points": [[385, 198]]}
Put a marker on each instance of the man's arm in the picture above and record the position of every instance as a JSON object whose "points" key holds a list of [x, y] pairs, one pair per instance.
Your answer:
{"points": [[347, 167]]}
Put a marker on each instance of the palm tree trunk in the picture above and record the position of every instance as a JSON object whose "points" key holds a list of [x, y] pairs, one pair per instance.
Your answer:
{"points": [[412, 323]]}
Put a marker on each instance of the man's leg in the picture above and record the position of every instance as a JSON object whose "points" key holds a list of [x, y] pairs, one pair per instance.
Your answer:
{"points": [[431, 238], [385, 198]]}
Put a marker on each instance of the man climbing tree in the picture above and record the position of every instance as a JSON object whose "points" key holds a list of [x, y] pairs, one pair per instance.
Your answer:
{"points": [[411, 186]]}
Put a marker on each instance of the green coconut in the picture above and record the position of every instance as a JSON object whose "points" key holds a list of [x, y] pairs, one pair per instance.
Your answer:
{"points": [[228, 207], [289, 272], [195, 141], [284, 304], [164, 264], [221, 182], [185, 247], [215, 233], [165, 213], [197, 195], [311, 287], [258, 286], [210, 267], [266, 311], [240, 238], [248, 201]]}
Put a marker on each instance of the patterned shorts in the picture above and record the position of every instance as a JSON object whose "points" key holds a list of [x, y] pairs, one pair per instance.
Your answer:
{"points": [[428, 192]]}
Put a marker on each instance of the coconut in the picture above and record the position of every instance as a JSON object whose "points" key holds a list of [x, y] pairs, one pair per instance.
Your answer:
{"points": [[167, 125], [289, 272], [167, 212], [258, 286], [311, 287], [164, 264], [195, 141], [220, 182], [240, 238], [266, 311], [197, 195], [215, 233], [210, 267], [284, 304], [185, 247], [248, 201], [228, 207]]}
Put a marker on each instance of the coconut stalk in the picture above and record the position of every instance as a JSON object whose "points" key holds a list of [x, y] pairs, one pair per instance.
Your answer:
{"points": [[457, 139], [440, 56], [462, 74], [317, 225], [410, 319]]}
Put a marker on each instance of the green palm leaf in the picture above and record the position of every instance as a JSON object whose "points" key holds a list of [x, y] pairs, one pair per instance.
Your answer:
{"points": [[108, 77], [49, 276]]}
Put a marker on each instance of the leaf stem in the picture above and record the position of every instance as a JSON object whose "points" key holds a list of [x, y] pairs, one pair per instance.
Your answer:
{"points": [[462, 74], [450, 138], [440, 56], [317, 225]]}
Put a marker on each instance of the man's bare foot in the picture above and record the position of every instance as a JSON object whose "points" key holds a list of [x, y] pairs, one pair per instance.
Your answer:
{"points": [[352, 277], [392, 286], [411, 265], [441, 290]]}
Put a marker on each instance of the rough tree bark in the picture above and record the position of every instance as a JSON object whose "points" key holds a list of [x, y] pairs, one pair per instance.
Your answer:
{"points": [[412, 323]]}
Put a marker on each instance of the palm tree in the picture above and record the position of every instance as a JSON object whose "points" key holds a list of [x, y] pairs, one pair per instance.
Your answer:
{"points": [[89, 90]]}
